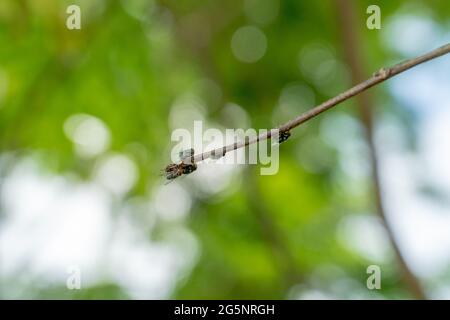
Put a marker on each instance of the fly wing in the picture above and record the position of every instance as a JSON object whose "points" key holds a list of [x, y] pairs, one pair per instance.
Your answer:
{"points": [[186, 154]]}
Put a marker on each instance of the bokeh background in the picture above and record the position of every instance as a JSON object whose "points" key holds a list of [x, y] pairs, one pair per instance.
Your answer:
{"points": [[85, 127]]}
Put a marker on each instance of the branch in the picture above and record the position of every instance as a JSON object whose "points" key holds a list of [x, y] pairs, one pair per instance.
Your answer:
{"points": [[353, 56], [380, 76]]}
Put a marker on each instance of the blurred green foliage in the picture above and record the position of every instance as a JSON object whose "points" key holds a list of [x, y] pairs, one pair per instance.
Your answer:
{"points": [[267, 235]]}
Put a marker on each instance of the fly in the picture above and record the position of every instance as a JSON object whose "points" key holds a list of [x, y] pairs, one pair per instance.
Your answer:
{"points": [[284, 135], [186, 166]]}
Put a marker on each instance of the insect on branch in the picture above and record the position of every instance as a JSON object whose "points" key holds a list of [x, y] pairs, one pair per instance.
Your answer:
{"points": [[189, 160]]}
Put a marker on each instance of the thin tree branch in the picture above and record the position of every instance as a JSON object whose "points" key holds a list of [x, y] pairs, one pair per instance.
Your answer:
{"points": [[271, 235], [353, 57], [380, 76]]}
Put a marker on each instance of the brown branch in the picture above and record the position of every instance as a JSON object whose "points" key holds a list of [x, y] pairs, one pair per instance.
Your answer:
{"points": [[380, 76], [353, 57]]}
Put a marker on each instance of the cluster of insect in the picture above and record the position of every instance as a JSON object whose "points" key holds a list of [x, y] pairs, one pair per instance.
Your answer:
{"points": [[187, 164]]}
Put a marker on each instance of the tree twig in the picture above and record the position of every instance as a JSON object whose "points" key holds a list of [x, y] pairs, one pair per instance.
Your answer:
{"points": [[353, 56], [378, 77]]}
